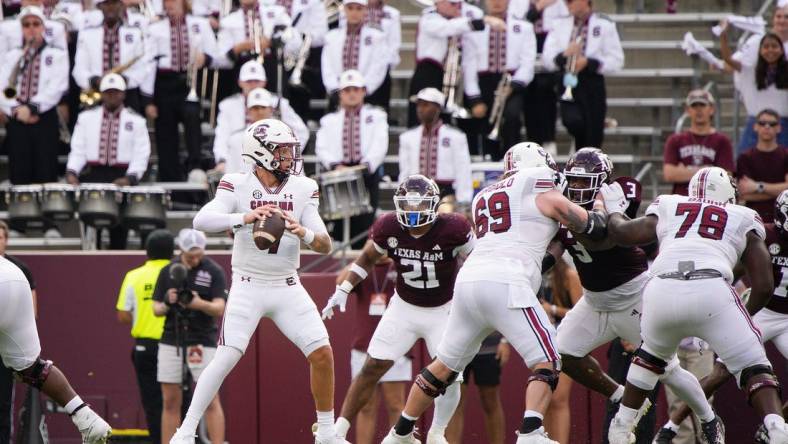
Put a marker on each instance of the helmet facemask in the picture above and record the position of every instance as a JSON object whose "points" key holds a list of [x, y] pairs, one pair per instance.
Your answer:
{"points": [[582, 187], [415, 210], [280, 155]]}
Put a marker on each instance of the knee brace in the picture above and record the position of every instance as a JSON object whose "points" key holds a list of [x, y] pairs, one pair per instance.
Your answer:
{"points": [[432, 386], [549, 377], [36, 374], [758, 377], [645, 370]]}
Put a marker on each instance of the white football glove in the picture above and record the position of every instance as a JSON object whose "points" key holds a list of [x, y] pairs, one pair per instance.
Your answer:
{"points": [[613, 196], [338, 299]]}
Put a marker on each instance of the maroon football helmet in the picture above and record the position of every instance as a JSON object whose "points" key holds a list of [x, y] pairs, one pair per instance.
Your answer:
{"points": [[781, 212], [585, 172], [416, 201]]}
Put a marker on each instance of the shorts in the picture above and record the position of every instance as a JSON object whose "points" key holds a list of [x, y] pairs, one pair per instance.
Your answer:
{"points": [[486, 370], [288, 306], [773, 327], [584, 329], [480, 308], [170, 362], [402, 371], [706, 308], [402, 324], [19, 343]]}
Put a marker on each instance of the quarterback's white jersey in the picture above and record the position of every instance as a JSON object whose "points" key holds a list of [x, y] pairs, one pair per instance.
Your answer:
{"points": [[711, 234], [239, 193], [512, 234]]}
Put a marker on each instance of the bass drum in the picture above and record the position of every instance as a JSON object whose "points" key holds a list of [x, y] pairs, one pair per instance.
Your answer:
{"points": [[99, 204]]}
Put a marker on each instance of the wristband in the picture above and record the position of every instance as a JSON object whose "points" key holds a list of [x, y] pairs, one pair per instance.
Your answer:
{"points": [[346, 286], [309, 236], [760, 187], [360, 271], [504, 340]]}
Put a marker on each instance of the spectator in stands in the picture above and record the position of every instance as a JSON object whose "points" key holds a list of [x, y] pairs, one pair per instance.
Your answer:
{"points": [[763, 84], [259, 105], [763, 169], [700, 146], [135, 307], [584, 47], [189, 340], [437, 150], [113, 47], [541, 108], [110, 144], [355, 134], [487, 56], [372, 296], [357, 46], [485, 370], [33, 79], [233, 116], [180, 46]]}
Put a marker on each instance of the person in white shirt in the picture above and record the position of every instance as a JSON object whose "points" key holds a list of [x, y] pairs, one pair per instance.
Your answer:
{"points": [[11, 36], [437, 150], [38, 76], [355, 134], [259, 106], [232, 115], [590, 40]]}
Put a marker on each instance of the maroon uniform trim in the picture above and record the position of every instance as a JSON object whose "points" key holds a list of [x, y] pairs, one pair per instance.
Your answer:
{"points": [[224, 185], [542, 336], [744, 313]]}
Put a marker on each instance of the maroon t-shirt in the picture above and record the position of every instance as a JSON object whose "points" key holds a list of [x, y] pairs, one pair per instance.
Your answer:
{"points": [[760, 166], [693, 150], [379, 284], [778, 248], [426, 266], [607, 269]]}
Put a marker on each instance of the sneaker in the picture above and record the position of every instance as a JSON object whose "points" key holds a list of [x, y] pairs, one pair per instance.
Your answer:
{"points": [[538, 436], [713, 431], [93, 428], [181, 437], [761, 435], [779, 434], [620, 433], [433, 437], [393, 438], [664, 436]]}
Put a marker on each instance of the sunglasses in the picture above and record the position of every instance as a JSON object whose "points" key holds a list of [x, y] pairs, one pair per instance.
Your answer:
{"points": [[31, 24], [768, 123]]}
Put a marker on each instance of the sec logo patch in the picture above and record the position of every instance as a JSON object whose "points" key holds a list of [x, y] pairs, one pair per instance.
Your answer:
{"points": [[392, 241], [774, 249], [257, 194]]}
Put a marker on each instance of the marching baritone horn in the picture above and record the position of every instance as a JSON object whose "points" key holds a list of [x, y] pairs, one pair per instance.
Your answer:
{"points": [[10, 90], [502, 93], [91, 96], [451, 80]]}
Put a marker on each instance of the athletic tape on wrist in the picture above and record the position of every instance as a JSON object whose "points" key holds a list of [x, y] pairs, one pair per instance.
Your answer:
{"points": [[359, 270], [346, 286], [309, 236]]}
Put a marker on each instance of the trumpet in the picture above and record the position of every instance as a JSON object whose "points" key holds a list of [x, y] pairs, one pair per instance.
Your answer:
{"points": [[191, 79], [10, 90], [91, 96], [502, 93], [570, 76], [451, 80], [257, 33], [297, 63]]}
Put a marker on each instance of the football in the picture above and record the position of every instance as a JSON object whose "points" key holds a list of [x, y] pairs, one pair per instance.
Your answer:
{"points": [[267, 231]]}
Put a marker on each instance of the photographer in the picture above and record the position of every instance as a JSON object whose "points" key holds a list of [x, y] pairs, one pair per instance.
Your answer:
{"points": [[190, 292]]}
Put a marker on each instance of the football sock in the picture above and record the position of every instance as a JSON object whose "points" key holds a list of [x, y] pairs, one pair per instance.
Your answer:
{"points": [[325, 423], [208, 386], [404, 424], [626, 414], [670, 425], [445, 405], [617, 395], [773, 420], [342, 426], [532, 420]]}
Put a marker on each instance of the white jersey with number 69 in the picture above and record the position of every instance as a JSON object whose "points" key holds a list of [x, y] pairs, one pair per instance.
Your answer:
{"points": [[712, 234], [512, 234], [239, 193]]}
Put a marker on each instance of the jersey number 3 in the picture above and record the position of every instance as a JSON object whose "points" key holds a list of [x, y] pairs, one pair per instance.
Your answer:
{"points": [[492, 214], [712, 220]]}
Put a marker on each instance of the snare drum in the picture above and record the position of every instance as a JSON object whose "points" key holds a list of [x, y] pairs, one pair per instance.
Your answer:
{"points": [[59, 201], [343, 193], [144, 208], [99, 204], [24, 206]]}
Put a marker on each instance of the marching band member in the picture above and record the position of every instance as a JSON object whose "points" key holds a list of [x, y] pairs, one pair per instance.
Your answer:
{"points": [[259, 106], [589, 43], [33, 80], [436, 150], [133, 15], [488, 56], [55, 33], [180, 45], [357, 46], [355, 134]]}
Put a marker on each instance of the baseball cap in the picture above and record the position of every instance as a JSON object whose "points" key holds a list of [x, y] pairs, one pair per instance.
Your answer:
{"points": [[252, 70], [430, 95], [259, 97], [32, 10], [351, 77], [700, 96], [358, 2], [112, 81], [189, 238]]}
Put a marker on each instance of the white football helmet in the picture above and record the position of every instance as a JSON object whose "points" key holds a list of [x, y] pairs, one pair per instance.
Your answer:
{"points": [[527, 155], [265, 144], [713, 183]]}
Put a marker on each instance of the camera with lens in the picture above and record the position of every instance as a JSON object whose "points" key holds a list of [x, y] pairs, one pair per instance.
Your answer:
{"points": [[178, 275]]}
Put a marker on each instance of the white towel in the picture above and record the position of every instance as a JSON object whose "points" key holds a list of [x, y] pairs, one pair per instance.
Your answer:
{"points": [[693, 47], [754, 25]]}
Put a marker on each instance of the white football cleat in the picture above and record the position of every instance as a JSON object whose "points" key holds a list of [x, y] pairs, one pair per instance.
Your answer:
{"points": [[393, 438], [92, 427], [779, 434], [434, 437], [181, 437], [331, 440], [620, 433], [538, 436]]}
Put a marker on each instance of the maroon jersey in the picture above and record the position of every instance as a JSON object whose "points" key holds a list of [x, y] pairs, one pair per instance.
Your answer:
{"points": [[761, 166], [778, 249], [607, 269], [693, 150], [379, 285], [426, 266]]}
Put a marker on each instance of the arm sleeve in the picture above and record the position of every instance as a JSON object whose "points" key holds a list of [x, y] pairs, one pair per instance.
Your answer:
{"points": [[671, 155], [139, 160], [613, 55], [152, 64], [395, 40], [437, 26], [218, 214], [463, 181], [56, 85], [162, 284], [725, 155], [378, 66], [141, 69], [327, 153], [77, 158], [311, 219], [208, 40], [380, 142], [330, 76], [224, 44], [470, 74], [551, 49], [525, 72], [80, 72]]}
